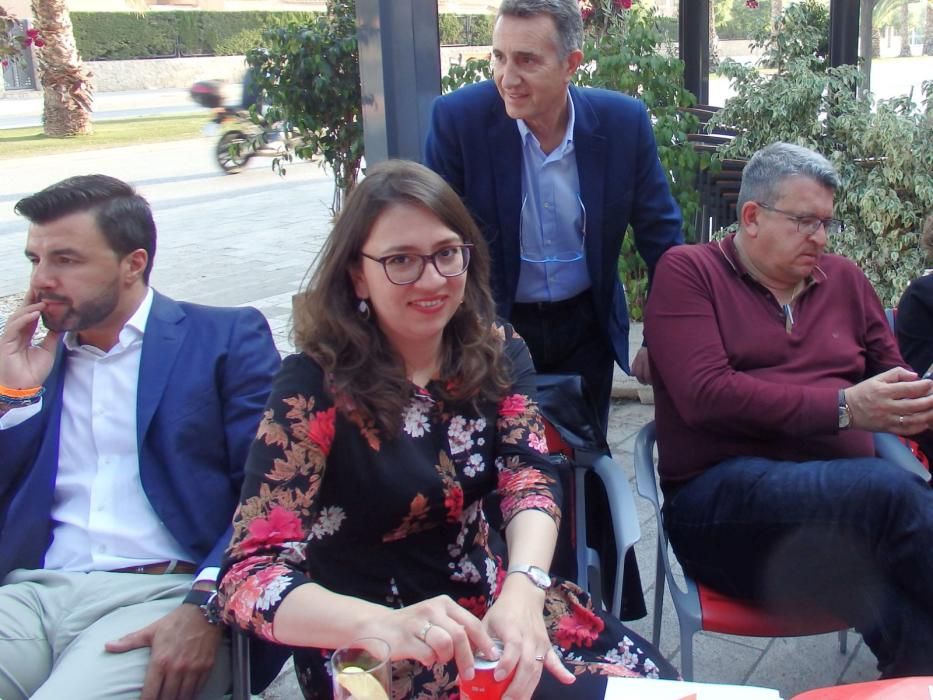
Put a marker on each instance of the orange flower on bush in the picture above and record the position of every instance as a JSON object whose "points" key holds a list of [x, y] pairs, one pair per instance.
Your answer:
{"points": [[321, 429]]}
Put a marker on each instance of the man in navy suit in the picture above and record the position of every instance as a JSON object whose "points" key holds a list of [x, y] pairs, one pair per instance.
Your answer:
{"points": [[553, 175], [123, 436]]}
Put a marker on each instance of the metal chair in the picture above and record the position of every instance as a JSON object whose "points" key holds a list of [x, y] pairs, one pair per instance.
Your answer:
{"points": [[699, 607], [573, 433]]}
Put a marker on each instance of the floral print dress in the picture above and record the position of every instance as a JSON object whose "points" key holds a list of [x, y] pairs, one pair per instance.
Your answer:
{"points": [[396, 520]]}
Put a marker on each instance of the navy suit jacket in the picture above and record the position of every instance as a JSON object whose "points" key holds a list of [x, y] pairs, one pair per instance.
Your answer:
{"points": [[204, 376], [474, 145]]}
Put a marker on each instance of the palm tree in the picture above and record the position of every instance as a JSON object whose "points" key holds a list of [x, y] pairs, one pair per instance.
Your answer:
{"points": [[65, 80], [928, 32], [904, 28]]}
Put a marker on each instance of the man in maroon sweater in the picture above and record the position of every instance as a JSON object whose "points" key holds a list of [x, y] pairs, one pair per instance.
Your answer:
{"points": [[772, 363]]}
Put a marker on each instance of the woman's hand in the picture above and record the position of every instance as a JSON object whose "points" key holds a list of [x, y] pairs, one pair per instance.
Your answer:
{"points": [[433, 631], [517, 619]]}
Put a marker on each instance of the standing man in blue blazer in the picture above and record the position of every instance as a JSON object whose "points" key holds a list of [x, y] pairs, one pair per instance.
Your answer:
{"points": [[123, 436], [553, 175]]}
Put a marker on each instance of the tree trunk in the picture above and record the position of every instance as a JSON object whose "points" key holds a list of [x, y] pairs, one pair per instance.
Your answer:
{"points": [[865, 39], [713, 38], [65, 80], [777, 8], [928, 31], [905, 29]]}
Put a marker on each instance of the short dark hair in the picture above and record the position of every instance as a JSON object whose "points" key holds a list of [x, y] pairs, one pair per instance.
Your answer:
{"points": [[123, 216]]}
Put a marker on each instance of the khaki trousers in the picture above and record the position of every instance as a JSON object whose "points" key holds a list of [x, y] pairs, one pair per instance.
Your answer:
{"points": [[54, 624]]}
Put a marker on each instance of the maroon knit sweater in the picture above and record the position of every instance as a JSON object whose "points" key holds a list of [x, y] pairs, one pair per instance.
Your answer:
{"points": [[731, 380]]}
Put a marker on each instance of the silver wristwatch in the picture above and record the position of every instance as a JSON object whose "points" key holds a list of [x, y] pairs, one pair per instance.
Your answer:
{"points": [[538, 576]]}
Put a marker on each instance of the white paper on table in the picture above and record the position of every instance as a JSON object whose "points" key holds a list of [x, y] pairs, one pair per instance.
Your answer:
{"points": [[647, 689]]}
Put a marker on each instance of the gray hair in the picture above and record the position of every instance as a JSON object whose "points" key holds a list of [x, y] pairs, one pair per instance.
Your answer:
{"points": [[565, 13], [768, 168]]}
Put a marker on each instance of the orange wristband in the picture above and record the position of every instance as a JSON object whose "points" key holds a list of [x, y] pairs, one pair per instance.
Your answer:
{"points": [[19, 393]]}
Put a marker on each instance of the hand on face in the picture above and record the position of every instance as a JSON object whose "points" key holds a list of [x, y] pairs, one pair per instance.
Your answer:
{"points": [[22, 364]]}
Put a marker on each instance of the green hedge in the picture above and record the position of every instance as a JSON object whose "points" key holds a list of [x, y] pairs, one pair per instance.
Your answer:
{"points": [[105, 36], [469, 30]]}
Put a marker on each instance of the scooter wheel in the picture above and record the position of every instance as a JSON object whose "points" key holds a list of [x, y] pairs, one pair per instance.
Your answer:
{"points": [[234, 150]]}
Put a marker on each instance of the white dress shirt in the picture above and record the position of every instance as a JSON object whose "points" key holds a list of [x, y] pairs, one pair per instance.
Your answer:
{"points": [[102, 517]]}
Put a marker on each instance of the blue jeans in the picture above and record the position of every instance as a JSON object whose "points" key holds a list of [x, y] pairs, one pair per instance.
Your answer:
{"points": [[853, 537]]}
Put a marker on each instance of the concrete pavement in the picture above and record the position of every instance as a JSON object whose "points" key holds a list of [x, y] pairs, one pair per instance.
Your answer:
{"points": [[249, 240]]}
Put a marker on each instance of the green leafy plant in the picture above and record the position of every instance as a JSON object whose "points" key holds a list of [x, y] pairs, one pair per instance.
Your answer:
{"points": [[883, 152], [103, 36], [627, 51], [310, 75]]}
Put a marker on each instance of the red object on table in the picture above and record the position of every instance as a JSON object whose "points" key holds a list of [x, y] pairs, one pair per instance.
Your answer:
{"points": [[917, 688]]}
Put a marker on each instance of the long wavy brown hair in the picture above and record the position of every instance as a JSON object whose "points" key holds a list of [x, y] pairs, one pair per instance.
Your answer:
{"points": [[352, 350]]}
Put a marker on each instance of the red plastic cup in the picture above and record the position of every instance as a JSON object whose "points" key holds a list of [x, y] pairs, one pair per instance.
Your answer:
{"points": [[484, 686]]}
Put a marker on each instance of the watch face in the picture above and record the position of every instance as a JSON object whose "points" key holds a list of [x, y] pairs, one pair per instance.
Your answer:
{"points": [[843, 417], [539, 576]]}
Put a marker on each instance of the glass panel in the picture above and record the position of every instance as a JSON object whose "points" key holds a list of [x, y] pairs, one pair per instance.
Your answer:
{"points": [[900, 49]]}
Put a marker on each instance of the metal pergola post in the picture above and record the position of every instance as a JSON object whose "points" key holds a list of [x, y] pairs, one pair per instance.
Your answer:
{"points": [[694, 47], [400, 67], [843, 32]]}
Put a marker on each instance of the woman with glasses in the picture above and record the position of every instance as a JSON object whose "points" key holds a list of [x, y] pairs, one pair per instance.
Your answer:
{"points": [[361, 514]]}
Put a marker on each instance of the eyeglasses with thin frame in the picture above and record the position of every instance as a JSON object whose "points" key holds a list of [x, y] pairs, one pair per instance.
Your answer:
{"points": [[407, 268], [808, 225], [564, 256]]}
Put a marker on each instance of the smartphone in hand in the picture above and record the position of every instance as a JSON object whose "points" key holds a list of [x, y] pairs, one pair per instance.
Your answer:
{"points": [[929, 373]]}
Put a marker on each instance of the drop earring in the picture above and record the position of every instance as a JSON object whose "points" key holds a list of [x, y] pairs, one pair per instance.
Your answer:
{"points": [[363, 309]]}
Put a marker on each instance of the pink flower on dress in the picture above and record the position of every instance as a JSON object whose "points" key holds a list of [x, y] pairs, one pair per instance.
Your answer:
{"points": [[475, 604], [453, 502], [580, 628], [321, 429], [514, 405], [279, 527]]}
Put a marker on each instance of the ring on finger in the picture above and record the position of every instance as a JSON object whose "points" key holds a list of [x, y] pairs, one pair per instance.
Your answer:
{"points": [[540, 657], [422, 635], [900, 420]]}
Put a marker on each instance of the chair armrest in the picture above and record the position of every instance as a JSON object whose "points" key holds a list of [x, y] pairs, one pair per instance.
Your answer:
{"points": [[887, 446], [625, 525]]}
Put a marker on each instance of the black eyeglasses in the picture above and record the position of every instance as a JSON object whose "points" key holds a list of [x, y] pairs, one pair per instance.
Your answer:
{"points": [[808, 225], [407, 268]]}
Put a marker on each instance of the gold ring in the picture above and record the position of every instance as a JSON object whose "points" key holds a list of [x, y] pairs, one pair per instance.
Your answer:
{"points": [[422, 635]]}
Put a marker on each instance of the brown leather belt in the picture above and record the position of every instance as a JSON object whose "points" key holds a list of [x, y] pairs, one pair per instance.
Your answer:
{"points": [[162, 567]]}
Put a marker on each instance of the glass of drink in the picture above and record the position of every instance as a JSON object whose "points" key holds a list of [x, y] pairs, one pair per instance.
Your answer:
{"points": [[362, 670]]}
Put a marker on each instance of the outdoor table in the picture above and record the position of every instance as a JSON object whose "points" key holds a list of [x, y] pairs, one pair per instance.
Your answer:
{"points": [[917, 688]]}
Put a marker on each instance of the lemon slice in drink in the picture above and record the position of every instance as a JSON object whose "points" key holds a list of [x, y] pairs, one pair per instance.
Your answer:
{"points": [[360, 684]]}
